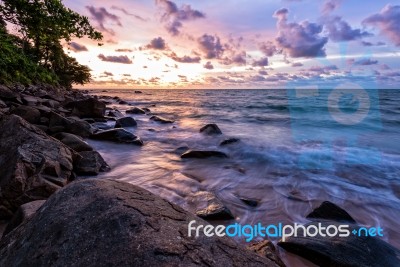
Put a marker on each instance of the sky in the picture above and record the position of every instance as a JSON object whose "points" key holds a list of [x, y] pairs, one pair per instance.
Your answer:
{"points": [[241, 44]]}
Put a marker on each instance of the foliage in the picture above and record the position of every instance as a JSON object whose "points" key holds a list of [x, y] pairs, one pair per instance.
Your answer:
{"points": [[37, 54]]}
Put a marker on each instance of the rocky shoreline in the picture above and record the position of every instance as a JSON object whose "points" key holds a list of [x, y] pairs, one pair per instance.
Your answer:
{"points": [[44, 155]]}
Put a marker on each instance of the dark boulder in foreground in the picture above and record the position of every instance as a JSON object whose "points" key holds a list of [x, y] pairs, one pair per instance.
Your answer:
{"points": [[229, 141], [135, 110], [161, 119], [211, 129], [331, 212], [87, 108], [118, 135], [338, 251], [73, 141], [33, 165], [110, 223], [200, 154], [125, 122], [91, 163]]}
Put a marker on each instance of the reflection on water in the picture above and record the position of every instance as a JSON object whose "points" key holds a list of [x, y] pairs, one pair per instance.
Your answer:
{"points": [[264, 165]]}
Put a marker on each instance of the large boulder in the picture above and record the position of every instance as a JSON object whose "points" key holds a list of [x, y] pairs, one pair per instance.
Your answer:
{"points": [[91, 163], [73, 141], [58, 123], [111, 223], [7, 94], [33, 165], [118, 135], [87, 108], [30, 114]]}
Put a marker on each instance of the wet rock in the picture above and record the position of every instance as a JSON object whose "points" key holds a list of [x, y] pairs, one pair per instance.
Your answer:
{"points": [[91, 163], [331, 212], [102, 126], [23, 214], [58, 123], [197, 154], [266, 249], [211, 129], [135, 110], [30, 114], [125, 122], [249, 202], [357, 251], [161, 119], [87, 108], [123, 102], [147, 110], [229, 141], [110, 223], [214, 208], [181, 150], [33, 165], [73, 141], [118, 135], [115, 114]]}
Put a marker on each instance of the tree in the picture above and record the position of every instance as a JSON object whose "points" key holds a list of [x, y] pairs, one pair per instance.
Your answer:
{"points": [[42, 26]]}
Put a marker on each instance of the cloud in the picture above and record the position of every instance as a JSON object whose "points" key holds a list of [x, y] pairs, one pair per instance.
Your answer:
{"points": [[368, 44], [322, 69], [263, 72], [340, 31], [123, 10], [115, 59], [101, 15], [208, 66], [108, 74], [211, 46], [388, 21], [235, 58], [366, 62], [77, 47], [157, 44], [262, 62], [173, 16], [299, 39], [124, 50], [268, 48], [185, 59], [297, 64], [330, 6]]}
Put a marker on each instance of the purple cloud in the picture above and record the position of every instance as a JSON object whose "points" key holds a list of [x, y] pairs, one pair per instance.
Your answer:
{"points": [[235, 58], [388, 21], [173, 16], [299, 39], [366, 62], [268, 48], [340, 31], [124, 50], [185, 59], [157, 44], [123, 10], [211, 46], [208, 66], [115, 59], [77, 47], [297, 64], [101, 15], [262, 62], [330, 6]]}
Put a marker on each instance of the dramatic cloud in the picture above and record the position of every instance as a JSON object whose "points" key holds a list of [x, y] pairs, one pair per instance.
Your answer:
{"points": [[185, 59], [208, 66], [388, 21], [340, 31], [77, 47], [123, 10], [157, 44], [173, 16], [115, 59], [299, 39], [102, 16], [211, 46], [262, 62], [366, 62]]}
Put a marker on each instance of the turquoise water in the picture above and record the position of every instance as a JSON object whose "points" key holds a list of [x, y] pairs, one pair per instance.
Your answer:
{"points": [[296, 150]]}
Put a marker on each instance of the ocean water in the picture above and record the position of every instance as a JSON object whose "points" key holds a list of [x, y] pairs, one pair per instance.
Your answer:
{"points": [[297, 149]]}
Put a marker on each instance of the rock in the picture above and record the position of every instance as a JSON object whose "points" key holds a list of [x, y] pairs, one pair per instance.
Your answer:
{"points": [[135, 110], [331, 212], [91, 163], [197, 154], [138, 92], [30, 100], [23, 214], [30, 114], [357, 251], [115, 114], [210, 129], [147, 110], [266, 249], [2, 104], [161, 119], [73, 141], [102, 126], [58, 123], [88, 108], [110, 223], [123, 102], [7, 94], [33, 165], [51, 103], [125, 122], [118, 135], [215, 209], [229, 141], [181, 150], [249, 202]]}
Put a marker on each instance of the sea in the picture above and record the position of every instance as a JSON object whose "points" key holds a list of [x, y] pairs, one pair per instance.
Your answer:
{"points": [[297, 149]]}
